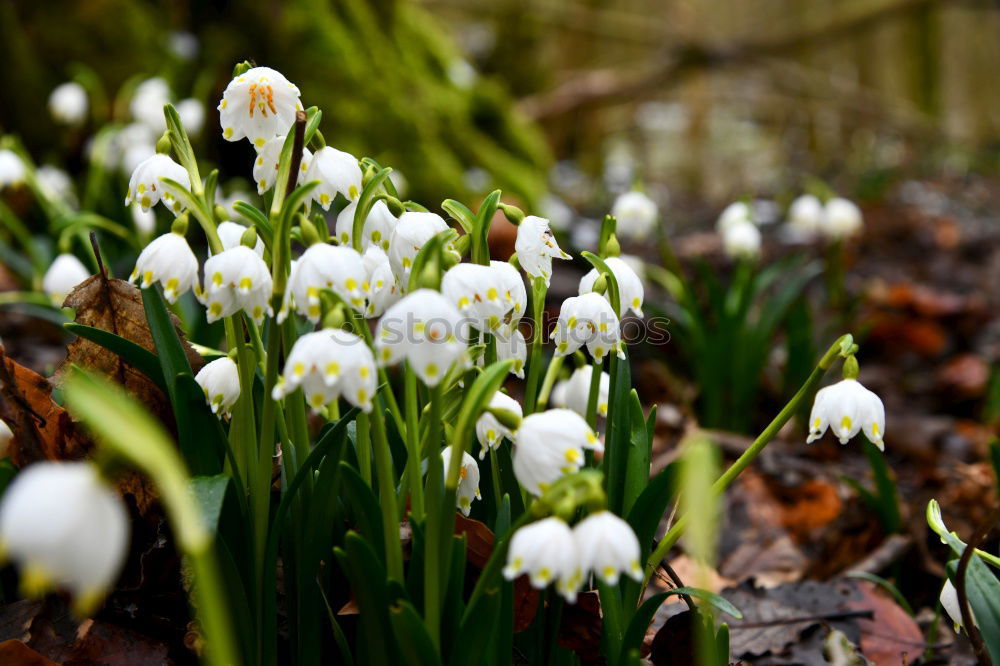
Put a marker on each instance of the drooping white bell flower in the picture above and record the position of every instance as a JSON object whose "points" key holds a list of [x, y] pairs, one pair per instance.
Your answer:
{"points": [[847, 408], [167, 259], [949, 602], [135, 154], [377, 229], [478, 292], [549, 445], [236, 279], [412, 230], [259, 104], [805, 215], [320, 267], [192, 115], [231, 235], [65, 273], [489, 431], [337, 172], [536, 248], [468, 482], [144, 220], [148, 101], [56, 183], [607, 546], [636, 214], [735, 213], [66, 529], [841, 218], [741, 241], [268, 161], [575, 393], [426, 330], [512, 291], [6, 438], [512, 345], [68, 103], [382, 287], [12, 169], [630, 290], [328, 364], [587, 320], [146, 184], [220, 380], [546, 551]]}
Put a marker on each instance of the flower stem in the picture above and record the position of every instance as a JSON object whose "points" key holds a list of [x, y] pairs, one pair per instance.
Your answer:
{"points": [[437, 513], [551, 373], [413, 445], [363, 447], [538, 291], [592, 396], [387, 495]]}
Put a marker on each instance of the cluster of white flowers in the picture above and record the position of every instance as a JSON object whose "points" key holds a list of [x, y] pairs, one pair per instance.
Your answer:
{"points": [[839, 218], [740, 236]]}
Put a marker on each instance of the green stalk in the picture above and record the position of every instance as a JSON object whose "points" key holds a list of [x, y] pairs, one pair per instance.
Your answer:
{"points": [[538, 291], [438, 510], [592, 396], [387, 496], [363, 447], [551, 373], [413, 452]]}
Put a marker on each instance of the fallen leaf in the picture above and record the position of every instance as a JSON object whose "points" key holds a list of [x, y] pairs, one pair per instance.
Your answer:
{"points": [[674, 643], [580, 627], [16, 653], [965, 375], [891, 636]]}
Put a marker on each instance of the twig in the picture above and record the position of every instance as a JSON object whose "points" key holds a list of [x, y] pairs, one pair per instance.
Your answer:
{"points": [[679, 583], [982, 656], [888, 552], [845, 615]]}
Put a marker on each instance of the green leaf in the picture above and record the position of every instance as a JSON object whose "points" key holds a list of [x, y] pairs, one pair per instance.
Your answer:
{"points": [[411, 635], [712, 598], [983, 591], [619, 433], [367, 511], [648, 510], [637, 463], [368, 576], [256, 218], [7, 474], [210, 493], [135, 355], [460, 213], [481, 228], [365, 203]]}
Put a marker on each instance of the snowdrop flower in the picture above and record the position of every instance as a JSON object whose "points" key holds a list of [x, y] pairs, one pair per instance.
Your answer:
{"points": [[220, 380], [733, 214], [259, 104], [546, 551], [320, 267], [236, 279], [847, 408], [265, 167], [328, 364], [512, 345], [192, 115], [231, 235], [636, 215], [183, 44], [512, 290], [575, 393], [477, 292], [12, 170], [489, 430], [68, 103], [65, 528], [146, 184], [741, 241], [337, 172], [148, 101], [841, 218], [382, 288], [426, 330], [607, 546], [377, 229], [549, 445], [56, 183], [587, 320], [630, 290], [412, 230], [144, 220], [949, 602], [536, 248], [6, 437], [468, 482], [167, 259], [805, 215], [63, 275], [136, 154]]}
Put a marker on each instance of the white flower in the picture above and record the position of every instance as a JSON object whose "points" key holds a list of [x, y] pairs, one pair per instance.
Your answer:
{"points": [[575, 391], [548, 445], [735, 213], [63, 275], [336, 171], [192, 115], [536, 248], [328, 364], [805, 215], [841, 218], [259, 104], [320, 267], [265, 166], [231, 235], [468, 482], [68, 103], [512, 290], [148, 101], [847, 408], [949, 602], [636, 215], [512, 345], [741, 241], [236, 279], [426, 330], [167, 259], [65, 528], [489, 430], [377, 229], [146, 184], [144, 220], [220, 380], [6, 438], [383, 290], [607, 546], [183, 44], [135, 154], [546, 551], [56, 183], [412, 230], [587, 320], [630, 290], [12, 170], [477, 292]]}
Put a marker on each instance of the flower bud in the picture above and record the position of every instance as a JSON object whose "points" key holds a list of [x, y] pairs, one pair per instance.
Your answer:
{"points": [[513, 214]]}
